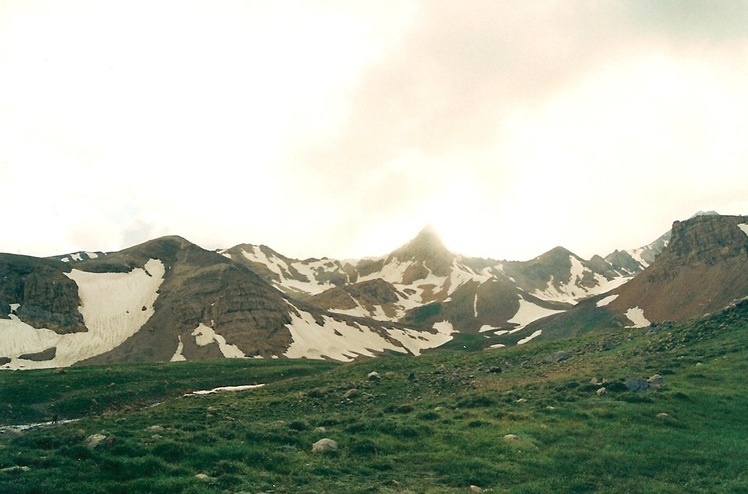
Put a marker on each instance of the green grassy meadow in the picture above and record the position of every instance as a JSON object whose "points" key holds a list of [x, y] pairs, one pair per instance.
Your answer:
{"points": [[435, 423]]}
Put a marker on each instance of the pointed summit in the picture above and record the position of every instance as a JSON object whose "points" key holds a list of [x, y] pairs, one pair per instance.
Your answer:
{"points": [[427, 248]]}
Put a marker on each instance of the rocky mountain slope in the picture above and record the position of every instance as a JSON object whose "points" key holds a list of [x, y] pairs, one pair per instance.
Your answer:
{"points": [[168, 299], [703, 269], [423, 284]]}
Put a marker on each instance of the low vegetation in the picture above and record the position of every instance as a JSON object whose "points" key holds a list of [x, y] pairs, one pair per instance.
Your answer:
{"points": [[670, 419]]}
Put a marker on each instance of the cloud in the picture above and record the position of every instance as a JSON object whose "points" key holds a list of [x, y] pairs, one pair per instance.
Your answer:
{"points": [[340, 129]]}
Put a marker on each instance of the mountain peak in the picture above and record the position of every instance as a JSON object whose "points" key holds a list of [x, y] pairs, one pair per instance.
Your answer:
{"points": [[427, 247]]}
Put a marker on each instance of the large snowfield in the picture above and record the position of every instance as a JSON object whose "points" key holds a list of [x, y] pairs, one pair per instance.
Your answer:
{"points": [[114, 307]]}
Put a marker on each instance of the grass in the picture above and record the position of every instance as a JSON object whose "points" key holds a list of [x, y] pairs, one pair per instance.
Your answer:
{"points": [[434, 423]]}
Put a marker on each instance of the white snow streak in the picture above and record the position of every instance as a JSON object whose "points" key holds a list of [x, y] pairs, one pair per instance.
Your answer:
{"points": [[178, 355], [636, 316], [744, 227], [221, 389], [605, 301], [475, 306], [531, 337]]}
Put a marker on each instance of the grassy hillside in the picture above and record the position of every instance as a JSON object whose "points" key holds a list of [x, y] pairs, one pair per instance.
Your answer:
{"points": [[525, 420]]}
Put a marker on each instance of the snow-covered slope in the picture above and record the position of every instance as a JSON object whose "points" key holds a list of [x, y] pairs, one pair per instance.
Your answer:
{"points": [[422, 283], [114, 307]]}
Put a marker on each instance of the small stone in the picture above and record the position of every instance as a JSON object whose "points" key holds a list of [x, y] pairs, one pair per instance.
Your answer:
{"points": [[594, 381], [663, 415], [522, 400], [557, 357], [550, 407], [154, 428], [202, 476], [475, 489], [373, 376], [350, 393], [325, 445], [320, 430], [699, 364], [600, 391], [511, 437]]}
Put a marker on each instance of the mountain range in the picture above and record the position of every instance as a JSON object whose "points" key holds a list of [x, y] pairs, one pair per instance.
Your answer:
{"points": [[169, 299]]}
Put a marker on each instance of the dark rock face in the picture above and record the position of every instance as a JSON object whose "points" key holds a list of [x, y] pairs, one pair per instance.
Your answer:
{"points": [[42, 356], [703, 269], [47, 298]]}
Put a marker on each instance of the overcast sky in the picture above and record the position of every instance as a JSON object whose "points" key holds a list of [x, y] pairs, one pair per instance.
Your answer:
{"points": [[341, 128]]}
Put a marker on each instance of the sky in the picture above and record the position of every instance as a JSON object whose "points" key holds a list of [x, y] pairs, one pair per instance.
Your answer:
{"points": [[342, 128]]}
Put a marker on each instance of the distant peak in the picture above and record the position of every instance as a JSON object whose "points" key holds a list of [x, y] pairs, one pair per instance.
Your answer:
{"points": [[427, 247], [428, 233]]}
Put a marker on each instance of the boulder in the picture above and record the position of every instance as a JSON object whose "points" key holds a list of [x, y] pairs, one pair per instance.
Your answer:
{"points": [[637, 385], [600, 391], [94, 440], [373, 376], [325, 445], [557, 357], [511, 437]]}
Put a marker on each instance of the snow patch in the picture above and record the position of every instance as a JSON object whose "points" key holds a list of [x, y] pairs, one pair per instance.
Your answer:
{"points": [[417, 341], [486, 327], [221, 389], [204, 335], [531, 337], [77, 256], [605, 301], [475, 306], [178, 355], [636, 316], [333, 339], [529, 312], [744, 227]]}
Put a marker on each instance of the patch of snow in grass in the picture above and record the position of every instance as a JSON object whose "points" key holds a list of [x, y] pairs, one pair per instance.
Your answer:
{"points": [[636, 316], [114, 307], [76, 256], [92, 255], [475, 305], [497, 345], [204, 335], [605, 301], [486, 327], [744, 227], [531, 337], [224, 389]]}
